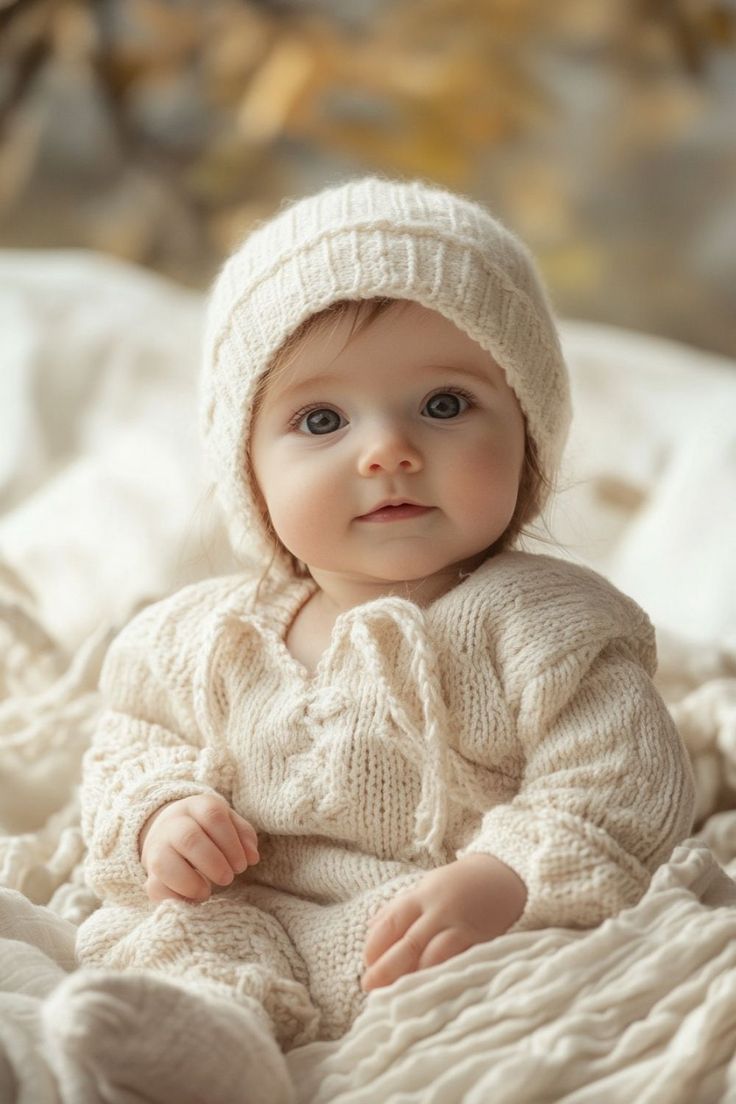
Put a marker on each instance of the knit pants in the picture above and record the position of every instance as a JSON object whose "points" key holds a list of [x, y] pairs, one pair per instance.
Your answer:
{"points": [[300, 960]]}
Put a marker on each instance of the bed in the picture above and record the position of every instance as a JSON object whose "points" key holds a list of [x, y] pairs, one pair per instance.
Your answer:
{"points": [[104, 507]]}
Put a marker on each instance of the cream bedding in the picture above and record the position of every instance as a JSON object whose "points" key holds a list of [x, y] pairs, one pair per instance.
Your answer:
{"points": [[104, 507]]}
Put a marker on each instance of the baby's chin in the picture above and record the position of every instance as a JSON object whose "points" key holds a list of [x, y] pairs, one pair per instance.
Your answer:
{"points": [[423, 586], [408, 568]]}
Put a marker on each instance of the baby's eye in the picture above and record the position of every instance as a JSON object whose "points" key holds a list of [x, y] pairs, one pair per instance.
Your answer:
{"points": [[446, 404], [318, 421]]}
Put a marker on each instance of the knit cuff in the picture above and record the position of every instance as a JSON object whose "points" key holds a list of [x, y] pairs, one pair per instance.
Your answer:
{"points": [[113, 868], [576, 875]]}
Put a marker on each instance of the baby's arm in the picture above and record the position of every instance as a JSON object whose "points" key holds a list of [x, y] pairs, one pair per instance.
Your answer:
{"points": [[607, 788], [469, 901], [147, 749]]}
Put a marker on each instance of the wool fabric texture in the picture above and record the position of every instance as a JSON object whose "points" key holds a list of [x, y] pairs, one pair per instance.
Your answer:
{"points": [[125, 1036], [514, 716], [365, 238]]}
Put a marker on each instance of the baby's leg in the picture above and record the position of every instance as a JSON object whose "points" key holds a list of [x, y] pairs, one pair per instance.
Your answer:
{"points": [[330, 940], [227, 945], [180, 1002]]}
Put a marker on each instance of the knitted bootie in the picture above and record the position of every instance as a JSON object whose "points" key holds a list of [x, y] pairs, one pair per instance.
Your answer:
{"points": [[127, 1038]]}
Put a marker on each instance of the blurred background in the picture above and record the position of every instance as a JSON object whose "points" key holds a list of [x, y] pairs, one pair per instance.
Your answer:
{"points": [[604, 133]]}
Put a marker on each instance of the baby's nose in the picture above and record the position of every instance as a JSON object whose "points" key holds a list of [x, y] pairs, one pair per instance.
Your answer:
{"points": [[389, 450]]}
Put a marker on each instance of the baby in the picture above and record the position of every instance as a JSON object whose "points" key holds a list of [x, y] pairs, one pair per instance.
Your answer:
{"points": [[398, 737]]}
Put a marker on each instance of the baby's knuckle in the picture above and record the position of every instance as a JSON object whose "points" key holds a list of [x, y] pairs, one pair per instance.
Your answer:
{"points": [[414, 943], [189, 835], [411, 907], [206, 800], [156, 865], [390, 922], [214, 814]]}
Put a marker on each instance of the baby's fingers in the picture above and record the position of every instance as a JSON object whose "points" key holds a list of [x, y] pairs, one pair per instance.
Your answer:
{"points": [[226, 857], [402, 957], [390, 925], [248, 838], [446, 944], [171, 877]]}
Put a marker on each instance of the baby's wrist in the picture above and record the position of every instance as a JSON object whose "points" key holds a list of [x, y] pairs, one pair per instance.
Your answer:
{"points": [[510, 888], [148, 824]]}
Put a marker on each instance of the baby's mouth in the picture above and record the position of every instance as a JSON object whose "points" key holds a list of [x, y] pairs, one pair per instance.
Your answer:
{"points": [[400, 512]]}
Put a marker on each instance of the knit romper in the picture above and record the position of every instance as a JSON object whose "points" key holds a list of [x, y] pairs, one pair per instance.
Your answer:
{"points": [[513, 716]]}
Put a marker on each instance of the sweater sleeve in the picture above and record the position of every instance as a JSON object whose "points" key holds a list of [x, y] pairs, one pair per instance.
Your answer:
{"points": [[147, 749], [606, 791]]}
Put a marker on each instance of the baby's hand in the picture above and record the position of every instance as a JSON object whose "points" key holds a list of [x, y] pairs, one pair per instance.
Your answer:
{"points": [[190, 843], [452, 908]]}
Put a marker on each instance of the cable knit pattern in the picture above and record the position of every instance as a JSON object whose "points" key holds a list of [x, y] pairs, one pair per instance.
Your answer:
{"points": [[513, 716]]}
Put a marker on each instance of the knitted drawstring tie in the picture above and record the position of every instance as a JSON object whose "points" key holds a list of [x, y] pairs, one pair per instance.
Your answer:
{"points": [[424, 743]]}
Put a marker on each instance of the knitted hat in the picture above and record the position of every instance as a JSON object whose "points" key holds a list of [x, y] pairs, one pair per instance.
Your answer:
{"points": [[365, 238]]}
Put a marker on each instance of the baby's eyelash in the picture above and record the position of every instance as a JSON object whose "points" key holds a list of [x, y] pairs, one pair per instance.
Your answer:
{"points": [[297, 416], [453, 390]]}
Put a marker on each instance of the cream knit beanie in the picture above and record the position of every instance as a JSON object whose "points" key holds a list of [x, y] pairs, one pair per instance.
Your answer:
{"points": [[370, 237]]}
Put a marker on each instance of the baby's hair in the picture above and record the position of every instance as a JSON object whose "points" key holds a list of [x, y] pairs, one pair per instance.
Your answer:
{"points": [[534, 484], [364, 311]]}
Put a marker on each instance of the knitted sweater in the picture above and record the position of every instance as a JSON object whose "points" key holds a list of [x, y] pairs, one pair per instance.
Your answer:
{"points": [[515, 716]]}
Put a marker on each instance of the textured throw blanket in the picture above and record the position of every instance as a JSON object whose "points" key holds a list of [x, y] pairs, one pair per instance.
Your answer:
{"points": [[104, 508]]}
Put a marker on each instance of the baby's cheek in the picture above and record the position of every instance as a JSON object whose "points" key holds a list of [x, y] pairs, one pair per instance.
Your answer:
{"points": [[303, 516], [485, 480], [291, 526]]}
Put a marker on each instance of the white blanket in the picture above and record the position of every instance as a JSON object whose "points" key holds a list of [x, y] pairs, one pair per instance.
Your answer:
{"points": [[104, 507]]}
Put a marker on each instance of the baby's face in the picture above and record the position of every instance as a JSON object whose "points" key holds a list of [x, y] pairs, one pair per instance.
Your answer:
{"points": [[412, 410]]}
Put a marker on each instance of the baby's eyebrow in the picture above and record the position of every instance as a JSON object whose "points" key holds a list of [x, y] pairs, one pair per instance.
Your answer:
{"points": [[287, 390], [480, 374]]}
